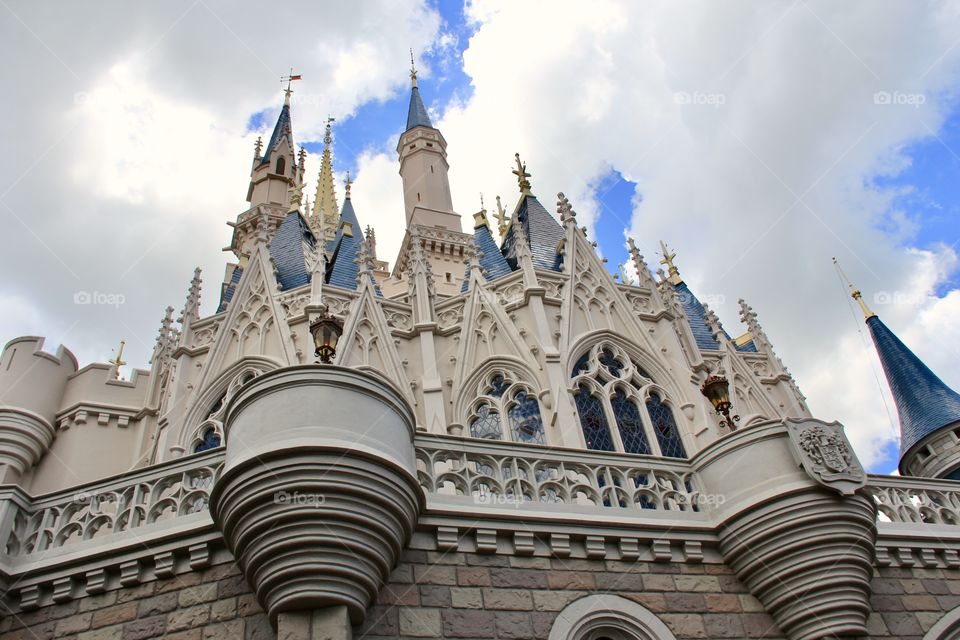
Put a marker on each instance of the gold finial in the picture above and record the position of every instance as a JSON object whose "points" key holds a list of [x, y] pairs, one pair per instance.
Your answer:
{"points": [[289, 90], [854, 292], [522, 175], [413, 70], [346, 187], [673, 274], [501, 216], [327, 138], [117, 361]]}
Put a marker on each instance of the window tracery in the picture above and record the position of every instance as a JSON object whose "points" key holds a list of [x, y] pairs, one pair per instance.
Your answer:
{"points": [[502, 395], [617, 407]]}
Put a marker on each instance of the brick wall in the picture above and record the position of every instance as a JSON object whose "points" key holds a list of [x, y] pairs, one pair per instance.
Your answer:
{"points": [[213, 604], [459, 595]]}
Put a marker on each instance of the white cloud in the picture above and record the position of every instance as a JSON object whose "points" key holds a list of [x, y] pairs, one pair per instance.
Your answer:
{"points": [[753, 132]]}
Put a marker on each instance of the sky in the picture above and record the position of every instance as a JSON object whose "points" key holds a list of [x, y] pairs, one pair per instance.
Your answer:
{"points": [[758, 140]]}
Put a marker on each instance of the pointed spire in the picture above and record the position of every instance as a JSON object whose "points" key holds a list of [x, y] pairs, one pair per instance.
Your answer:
{"points": [[567, 214], [522, 175], [644, 276], [749, 317], [673, 274], [289, 90], [417, 115], [191, 309], [854, 292], [365, 265], [326, 213], [501, 216], [371, 237]]}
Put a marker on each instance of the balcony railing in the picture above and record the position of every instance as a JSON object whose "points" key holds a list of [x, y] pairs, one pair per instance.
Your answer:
{"points": [[915, 500]]}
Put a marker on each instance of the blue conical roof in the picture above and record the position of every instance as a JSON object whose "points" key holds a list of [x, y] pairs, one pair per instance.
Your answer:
{"points": [[283, 126], [343, 269], [925, 404], [543, 234], [417, 115]]}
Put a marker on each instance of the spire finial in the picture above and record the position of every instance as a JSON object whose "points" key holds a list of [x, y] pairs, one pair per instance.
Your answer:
{"points": [[413, 70], [854, 292], [117, 361], [673, 274], [346, 187], [501, 218], [567, 214], [327, 138], [522, 175], [258, 147], [289, 90]]}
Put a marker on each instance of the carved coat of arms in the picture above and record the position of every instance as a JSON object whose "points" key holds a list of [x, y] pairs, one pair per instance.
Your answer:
{"points": [[824, 452]]}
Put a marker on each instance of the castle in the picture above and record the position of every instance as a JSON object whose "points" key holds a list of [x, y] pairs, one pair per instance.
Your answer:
{"points": [[496, 438]]}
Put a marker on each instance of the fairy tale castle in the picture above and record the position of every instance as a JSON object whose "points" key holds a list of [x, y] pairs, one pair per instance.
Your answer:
{"points": [[493, 439]]}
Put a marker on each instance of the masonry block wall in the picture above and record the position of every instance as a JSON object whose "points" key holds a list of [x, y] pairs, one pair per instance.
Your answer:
{"points": [[465, 595]]}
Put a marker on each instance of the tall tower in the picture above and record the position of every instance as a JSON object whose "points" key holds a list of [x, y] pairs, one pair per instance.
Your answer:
{"points": [[423, 168], [276, 170]]}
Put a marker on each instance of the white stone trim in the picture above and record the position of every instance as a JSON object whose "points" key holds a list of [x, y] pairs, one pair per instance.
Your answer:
{"points": [[617, 617], [947, 628]]}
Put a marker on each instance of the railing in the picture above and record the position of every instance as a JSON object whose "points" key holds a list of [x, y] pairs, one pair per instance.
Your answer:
{"points": [[506, 473], [142, 498], [915, 500]]}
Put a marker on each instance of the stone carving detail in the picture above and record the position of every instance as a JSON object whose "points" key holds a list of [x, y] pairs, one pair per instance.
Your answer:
{"points": [[337, 306], [501, 475], [293, 305], [914, 500], [107, 508], [398, 320], [449, 318], [825, 454], [204, 336], [641, 303], [510, 294]]}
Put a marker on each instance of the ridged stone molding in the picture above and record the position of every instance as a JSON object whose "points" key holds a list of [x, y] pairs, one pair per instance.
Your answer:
{"points": [[24, 438], [319, 493], [793, 524]]}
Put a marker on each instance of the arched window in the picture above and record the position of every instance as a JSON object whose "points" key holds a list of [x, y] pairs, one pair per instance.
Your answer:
{"points": [[610, 389], [600, 616], [281, 165], [500, 396], [209, 440]]}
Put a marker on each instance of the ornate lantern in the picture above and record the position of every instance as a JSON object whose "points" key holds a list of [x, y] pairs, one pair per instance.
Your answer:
{"points": [[326, 331], [717, 391]]}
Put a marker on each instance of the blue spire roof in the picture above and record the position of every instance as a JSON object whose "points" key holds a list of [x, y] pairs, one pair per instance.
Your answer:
{"points": [[342, 269], [226, 295], [417, 113], [695, 317], [283, 126], [288, 250], [492, 262], [543, 234], [924, 402]]}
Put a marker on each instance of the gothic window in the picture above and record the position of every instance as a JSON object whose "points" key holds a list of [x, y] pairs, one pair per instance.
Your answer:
{"points": [[281, 165], [610, 389], [665, 427], [501, 396], [209, 440]]}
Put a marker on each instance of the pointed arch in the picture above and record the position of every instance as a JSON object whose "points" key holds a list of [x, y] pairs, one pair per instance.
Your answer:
{"points": [[210, 404], [500, 399]]}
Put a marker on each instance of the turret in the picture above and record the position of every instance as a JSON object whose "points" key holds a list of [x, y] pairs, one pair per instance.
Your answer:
{"points": [[928, 409], [423, 167], [32, 382], [275, 171]]}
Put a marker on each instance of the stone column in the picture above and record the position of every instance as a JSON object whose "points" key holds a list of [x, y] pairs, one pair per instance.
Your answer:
{"points": [[793, 525], [319, 494]]}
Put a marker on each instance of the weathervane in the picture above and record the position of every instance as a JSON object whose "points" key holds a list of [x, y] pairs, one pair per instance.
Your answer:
{"points": [[522, 175], [413, 69], [289, 80]]}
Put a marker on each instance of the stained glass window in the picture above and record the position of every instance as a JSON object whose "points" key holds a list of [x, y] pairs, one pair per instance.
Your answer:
{"points": [[210, 440], [610, 361], [486, 424], [629, 423], [592, 421], [582, 365], [498, 385], [526, 425], [665, 427]]}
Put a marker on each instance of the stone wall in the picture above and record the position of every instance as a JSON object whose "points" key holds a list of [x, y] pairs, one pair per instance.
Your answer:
{"points": [[465, 595], [213, 604]]}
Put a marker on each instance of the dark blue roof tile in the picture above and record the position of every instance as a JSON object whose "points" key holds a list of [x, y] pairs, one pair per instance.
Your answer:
{"points": [[417, 115], [543, 234], [289, 248], [342, 269], [230, 289], [695, 317], [492, 262], [283, 126], [925, 404]]}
